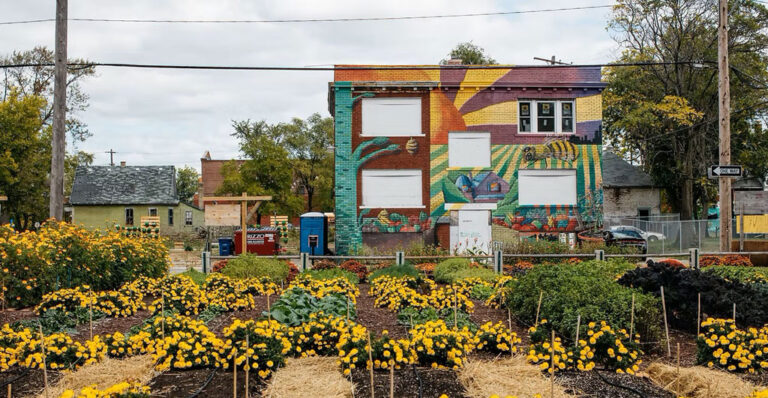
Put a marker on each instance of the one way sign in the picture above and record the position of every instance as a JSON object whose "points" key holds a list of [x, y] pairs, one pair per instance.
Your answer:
{"points": [[720, 171]]}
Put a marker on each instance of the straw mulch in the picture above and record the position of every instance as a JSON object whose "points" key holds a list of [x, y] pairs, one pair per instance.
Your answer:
{"points": [[104, 374], [699, 382], [506, 376], [309, 377]]}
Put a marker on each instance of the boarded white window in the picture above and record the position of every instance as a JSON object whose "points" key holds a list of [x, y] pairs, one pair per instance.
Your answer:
{"points": [[547, 187], [392, 188], [467, 149], [392, 117]]}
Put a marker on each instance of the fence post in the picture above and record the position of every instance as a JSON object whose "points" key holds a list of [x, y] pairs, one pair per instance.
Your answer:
{"points": [[600, 255], [694, 257], [304, 261], [399, 258], [498, 262], [206, 261]]}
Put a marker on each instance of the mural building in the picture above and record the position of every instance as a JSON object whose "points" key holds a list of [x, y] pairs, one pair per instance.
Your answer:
{"points": [[448, 155]]}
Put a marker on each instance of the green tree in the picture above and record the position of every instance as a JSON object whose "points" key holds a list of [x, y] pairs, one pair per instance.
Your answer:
{"points": [[71, 162], [187, 180], [38, 80], [469, 54], [25, 157], [266, 170], [309, 144], [666, 116]]}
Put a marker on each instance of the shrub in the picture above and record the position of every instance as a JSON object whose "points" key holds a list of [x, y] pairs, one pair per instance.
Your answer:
{"points": [[481, 292], [293, 272], [426, 267], [681, 289], [265, 348], [324, 287], [411, 316], [396, 271], [439, 346], [34, 263], [752, 275], [196, 276], [219, 265], [731, 259], [355, 267], [252, 266], [445, 269], [333, 273], [721, 344], [587, 289], [485, 274], [324, 264]]}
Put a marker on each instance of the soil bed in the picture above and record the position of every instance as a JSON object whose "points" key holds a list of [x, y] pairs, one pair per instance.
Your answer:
{"points": [[377, 319], [590, 384], [106, 326], [183, 383], [434, 382], [11, 315], [217, 325], [27, 382]]}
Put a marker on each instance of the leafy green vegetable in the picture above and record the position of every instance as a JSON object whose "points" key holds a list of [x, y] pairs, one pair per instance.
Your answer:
{"points": [[419, 316], [295, 305]]}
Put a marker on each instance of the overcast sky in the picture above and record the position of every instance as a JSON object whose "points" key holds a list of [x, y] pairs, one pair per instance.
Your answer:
{"points": [[159, 117]]}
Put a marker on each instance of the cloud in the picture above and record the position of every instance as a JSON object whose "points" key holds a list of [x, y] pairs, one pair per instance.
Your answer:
{"points": [[172, 116]]}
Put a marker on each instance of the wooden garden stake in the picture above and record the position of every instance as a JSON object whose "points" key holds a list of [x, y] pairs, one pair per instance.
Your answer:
{"points": [[678, 369], [370, 360], [90, 312], [234, 374], [632, 320], [538, 307], [734, 313], [509, 325], [552, 366], [455, 311], [247, 365], [391, 379], [698, 316], [578, 326], [347, 309], [45, 366], [9, 390], [666, 325], [269, 309]]}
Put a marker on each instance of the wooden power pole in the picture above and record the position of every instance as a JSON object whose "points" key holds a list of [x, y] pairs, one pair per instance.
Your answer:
{"points": [[724, 111], [58, 142]]}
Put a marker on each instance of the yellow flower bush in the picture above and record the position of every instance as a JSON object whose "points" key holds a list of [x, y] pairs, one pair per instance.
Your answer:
{"points": [[397, 293], [385, 351], [439, 346], [110, 303], [759, 394], [10, 342], [120, 390], [496, 338], [265, 348], [721, 344], [178, 342], [500, 292], [64, 254], [61, 352], [178, 293], [323, 287]]}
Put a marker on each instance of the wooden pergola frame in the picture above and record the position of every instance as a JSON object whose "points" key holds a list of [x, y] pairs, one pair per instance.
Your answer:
{"points": [[244, 214]]}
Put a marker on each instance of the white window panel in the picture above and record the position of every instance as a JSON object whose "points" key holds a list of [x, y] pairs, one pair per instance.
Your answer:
{"points": [[469, 149], [546, 116], [392, 117], [547, 187], [392, 188]]}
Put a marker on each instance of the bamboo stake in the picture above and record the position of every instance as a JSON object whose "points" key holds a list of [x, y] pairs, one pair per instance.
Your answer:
{"points": [[45, 365], [9, 390], [370, 360], [269, 309], [347, 309], [509, 325], [578, 327], [666, 325], [734, 313], [391, 379], [162, 315], [247, 364], [90, 312], [552, 366], [632, 320], [455, 311], [538, 307], [234, 373], [678, 369], [698, 316], [411, 319]]}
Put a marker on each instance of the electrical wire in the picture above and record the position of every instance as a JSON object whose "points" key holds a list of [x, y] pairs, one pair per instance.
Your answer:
{"points": [[311, 20]]}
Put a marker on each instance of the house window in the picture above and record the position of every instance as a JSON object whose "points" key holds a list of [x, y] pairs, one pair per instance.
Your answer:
{"points": [[547, 187], [546, 116], [170, 216], [469, 149], [187, 217], [153, 212], [392, 117], [392, 188], [128, 216]]}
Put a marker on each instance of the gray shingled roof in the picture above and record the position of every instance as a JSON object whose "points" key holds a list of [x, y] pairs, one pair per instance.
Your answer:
{"points": [[618, 173], [124, 185]]}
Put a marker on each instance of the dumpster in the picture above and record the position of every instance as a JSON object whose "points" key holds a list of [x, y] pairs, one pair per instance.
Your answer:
{"points": [[226, 246], [314, 234], [262, 241]]}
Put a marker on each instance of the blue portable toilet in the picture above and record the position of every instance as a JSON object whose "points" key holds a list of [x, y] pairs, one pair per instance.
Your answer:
{"points": [[313, 233], [226, 246]]}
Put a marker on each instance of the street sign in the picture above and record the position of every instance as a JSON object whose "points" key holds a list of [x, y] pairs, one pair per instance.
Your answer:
{"points": [[720, 171]]}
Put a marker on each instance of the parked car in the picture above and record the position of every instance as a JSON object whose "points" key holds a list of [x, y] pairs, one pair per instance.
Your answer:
{"points": [[626, 238], [648, 236]]}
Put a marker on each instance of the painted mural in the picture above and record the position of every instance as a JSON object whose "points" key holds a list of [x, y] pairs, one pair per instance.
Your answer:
{"points": [[463, 100]]}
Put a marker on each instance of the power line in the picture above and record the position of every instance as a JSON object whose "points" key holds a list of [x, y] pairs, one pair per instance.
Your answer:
{"points": [[696, 64], [356, 19]]}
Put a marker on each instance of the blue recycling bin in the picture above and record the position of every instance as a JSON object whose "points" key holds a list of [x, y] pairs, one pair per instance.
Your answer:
{"points": [[313, 234], [226, 247]]}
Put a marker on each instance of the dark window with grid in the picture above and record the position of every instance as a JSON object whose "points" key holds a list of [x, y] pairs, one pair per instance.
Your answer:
{"points": [[188, 217], [170, 216], [128, 216]]}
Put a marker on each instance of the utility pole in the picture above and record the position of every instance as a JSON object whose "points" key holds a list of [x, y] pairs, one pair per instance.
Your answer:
{"points": [[724, 112], [111, 157], [58, 142]]}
